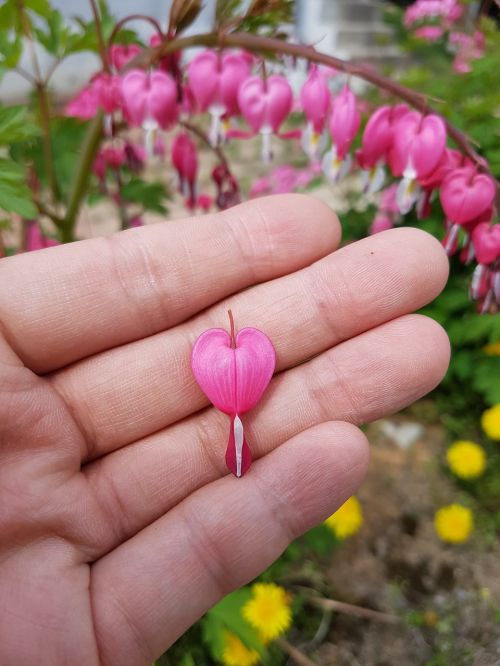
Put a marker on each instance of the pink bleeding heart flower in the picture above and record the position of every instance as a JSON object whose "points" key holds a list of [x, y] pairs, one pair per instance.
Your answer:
{"points": [[136, 222], [84, 105], [380, 223], [465, 194], [344, 123], [376, 143], [35, 239], [419, 143], [149, 101], [486, 240], [429, 33], [121, 54], [315, 99], [214, 80], [149, 98], [450, 160], [265, 104], [233, 372], [185, 160]]}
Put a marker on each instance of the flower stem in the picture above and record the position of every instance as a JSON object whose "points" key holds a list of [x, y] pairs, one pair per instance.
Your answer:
{"points": [[201, 135], [100, 38], [81, 179], [43, 101]]}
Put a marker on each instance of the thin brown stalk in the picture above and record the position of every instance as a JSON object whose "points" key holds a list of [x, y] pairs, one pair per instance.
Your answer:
{"points": [[294, 653]]}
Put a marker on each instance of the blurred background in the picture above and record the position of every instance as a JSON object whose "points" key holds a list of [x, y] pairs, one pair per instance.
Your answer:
{"points": [[408, 572]]}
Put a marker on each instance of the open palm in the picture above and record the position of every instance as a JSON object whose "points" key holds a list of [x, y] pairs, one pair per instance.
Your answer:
{"points": [[119, 524]]}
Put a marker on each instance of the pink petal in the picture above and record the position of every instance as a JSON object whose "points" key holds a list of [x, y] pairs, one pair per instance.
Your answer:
{"points": [[233, 379]]}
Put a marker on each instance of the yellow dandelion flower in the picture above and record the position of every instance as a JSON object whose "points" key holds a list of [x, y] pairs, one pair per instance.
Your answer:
{"points": [[268, 610], [454, 523], [466, 459], [492, 349], [490, 422], [347, 520], [236, 652]]}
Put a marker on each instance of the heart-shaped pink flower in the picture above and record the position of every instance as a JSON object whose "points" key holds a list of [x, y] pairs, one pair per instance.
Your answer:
{"points": [[315, 99], [265, 104], [419, 143], [378, 133], [215, 78], [149, 97], [465, 194], [344, 121], [486, 241], [234, 372]]}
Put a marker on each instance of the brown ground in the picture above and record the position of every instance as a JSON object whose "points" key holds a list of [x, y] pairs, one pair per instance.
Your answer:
{"points": [[397, 564]]}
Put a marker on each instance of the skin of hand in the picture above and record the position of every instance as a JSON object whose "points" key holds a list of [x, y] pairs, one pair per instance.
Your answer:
{"points": [[119, 523]]}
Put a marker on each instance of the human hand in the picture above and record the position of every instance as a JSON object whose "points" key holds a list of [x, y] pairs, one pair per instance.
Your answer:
{"points": [[119, 524]]}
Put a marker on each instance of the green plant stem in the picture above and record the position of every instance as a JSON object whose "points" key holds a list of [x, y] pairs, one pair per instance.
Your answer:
{"points": [[81, 179], [44, 106], [121, 206], [134, 17], [197, 131], [100, 38], [263, 45], [48, 155]]}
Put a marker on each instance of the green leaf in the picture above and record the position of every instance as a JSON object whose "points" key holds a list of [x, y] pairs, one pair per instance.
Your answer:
{"points": [[11, 48], [16, 198], [213, 632], [187, 660], [13, 124], [41, 7], [228, 613], [321, 540], [150, 196]]}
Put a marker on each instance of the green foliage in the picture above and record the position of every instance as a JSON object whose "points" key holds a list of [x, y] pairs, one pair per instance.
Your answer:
{"points": [[15, 195], [150, 196], [226, 616]]}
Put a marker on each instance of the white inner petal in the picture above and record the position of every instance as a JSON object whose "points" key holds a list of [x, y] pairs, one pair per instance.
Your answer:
{"points": [[238, 443]]}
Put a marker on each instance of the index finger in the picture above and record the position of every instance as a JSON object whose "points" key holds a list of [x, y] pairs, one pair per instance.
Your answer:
{"points": [[63, 304]]}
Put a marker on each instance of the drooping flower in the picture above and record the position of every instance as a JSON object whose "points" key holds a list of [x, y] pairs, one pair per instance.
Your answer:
{"points": [[265, 104], [418, 146], [233, 371], [465, 194], [380, 223], [36, 239], [486, 241], [454, 523], [268, 610], [429, 33], [121, 54], [466, 459], [315, 99], [490, 422], [149, 101], [236, 652], [347, 520], [214, 79], [376, 143], [344, 123], [185, 161]]}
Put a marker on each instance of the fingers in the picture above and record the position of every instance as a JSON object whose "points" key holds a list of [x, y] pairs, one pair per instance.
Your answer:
{"points": [[130, 392], [379, 372], [69, 302], [152, 588]]}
